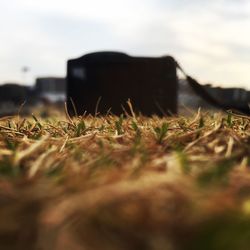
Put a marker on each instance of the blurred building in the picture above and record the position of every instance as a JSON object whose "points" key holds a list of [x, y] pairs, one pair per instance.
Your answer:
{"points": [[12, 96], [46, 90], [51, 89], [230, 98]]}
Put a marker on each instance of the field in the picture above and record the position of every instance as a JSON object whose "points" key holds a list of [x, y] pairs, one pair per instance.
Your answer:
{"points": [[128, 182]]}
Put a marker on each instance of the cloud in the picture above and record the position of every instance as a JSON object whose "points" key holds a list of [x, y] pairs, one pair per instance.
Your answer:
{"points": [[210, 38]]}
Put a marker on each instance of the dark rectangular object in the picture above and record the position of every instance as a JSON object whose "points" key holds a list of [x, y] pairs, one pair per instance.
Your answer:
{"points": [[150, 83]]}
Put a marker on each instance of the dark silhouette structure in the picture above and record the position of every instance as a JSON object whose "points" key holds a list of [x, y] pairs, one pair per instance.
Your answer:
{"points": [[106, 80], [12, 96], [48, 90], [14, 93]]}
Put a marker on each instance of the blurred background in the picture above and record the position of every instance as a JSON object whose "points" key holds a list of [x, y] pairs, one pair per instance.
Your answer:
{"points": [[210, 39]]}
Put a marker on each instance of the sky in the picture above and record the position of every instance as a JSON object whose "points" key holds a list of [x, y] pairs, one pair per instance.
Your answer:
{"points": [[210, 39]]}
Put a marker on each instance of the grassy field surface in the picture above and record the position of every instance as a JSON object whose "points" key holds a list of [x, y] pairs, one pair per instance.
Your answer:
{"points": [[128, 182]]}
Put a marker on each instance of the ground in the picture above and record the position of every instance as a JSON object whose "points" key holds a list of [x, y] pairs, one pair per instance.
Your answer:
{"points": [[128, 182]]}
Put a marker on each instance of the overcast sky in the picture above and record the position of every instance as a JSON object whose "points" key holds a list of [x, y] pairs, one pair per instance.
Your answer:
{"points": [[210, 39]]}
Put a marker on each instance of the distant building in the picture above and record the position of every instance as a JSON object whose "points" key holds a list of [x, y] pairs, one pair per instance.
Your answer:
{"points": [[229, 98], [13, 92], [12, 96], [52, 89], [46, 90]]}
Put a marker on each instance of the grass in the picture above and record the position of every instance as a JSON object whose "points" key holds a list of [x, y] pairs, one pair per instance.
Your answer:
{"points": [[128, 182]]}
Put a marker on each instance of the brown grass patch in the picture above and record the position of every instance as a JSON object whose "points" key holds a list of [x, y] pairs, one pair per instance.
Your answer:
{"points": [[125, 182]]}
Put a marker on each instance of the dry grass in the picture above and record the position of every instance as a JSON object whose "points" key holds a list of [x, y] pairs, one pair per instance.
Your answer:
{"points": [[126, 182]]}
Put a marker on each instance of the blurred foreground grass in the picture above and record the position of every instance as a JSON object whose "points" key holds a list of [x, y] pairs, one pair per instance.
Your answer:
{"points": [[127, 182]]}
